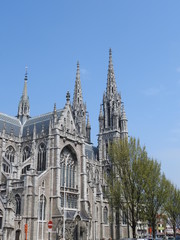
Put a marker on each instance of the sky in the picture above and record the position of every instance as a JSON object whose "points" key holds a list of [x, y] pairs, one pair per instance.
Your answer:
{"points": [[49, 37]]}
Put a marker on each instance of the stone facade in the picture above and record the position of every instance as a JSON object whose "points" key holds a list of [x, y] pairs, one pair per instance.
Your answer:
{"points": [[49, 169]]}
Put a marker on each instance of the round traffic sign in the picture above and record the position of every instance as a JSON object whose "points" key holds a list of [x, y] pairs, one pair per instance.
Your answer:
{"points": [[50, 224]]}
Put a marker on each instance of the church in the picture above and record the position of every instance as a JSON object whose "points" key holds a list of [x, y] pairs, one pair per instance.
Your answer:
{"points": [[52, 183]]}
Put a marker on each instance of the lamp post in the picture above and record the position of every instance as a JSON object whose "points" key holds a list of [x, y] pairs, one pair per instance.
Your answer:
{"points": [[64, 223]]}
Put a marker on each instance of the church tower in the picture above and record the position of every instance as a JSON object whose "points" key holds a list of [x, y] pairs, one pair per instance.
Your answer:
{"points": [[24, 107], [79, 109], [112, 116]]}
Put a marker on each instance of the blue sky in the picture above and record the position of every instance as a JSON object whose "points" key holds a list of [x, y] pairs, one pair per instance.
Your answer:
{"points": [[51, 36]]}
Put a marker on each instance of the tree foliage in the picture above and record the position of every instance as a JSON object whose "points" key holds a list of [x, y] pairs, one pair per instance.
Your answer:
{"points": [[126, 184], [136, 185], [155, 193], [172, 207]]}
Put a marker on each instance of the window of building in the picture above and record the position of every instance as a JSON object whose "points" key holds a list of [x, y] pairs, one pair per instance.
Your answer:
{"points": [[68, 164], [25, 169], [42, 207], [105, 213], [68, 169], [26, 153], [70, 201], [10, 153], [18, 204], [41, 164], [124, 218], [6, 168]]}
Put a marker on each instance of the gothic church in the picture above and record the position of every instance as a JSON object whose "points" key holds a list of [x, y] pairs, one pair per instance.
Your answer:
{"points": [[50, 171]]}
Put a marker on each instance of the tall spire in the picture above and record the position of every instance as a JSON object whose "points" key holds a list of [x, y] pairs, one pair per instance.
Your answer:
{"points": [[77, 98], [111, 88], [24, 107], [79, 107]]}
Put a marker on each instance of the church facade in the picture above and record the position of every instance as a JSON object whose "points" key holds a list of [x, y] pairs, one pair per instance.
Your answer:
{"points": [[52, 177]]}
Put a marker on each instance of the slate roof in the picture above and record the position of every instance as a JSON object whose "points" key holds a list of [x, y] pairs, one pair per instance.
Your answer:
{"points": [[40, 122], [13, 124], [91, 152]]}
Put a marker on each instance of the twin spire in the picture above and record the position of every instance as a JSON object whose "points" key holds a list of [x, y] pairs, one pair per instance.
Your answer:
{"points": [[79, 109], [111, 88]]}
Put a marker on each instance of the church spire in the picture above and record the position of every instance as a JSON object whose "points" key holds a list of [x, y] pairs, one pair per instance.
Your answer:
{"points": [[77, 99], [78, 106], [111, 88], [24, 107]]}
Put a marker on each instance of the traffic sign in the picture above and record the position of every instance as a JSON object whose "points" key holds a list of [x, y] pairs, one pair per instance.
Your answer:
{"points": [[50, 224]]}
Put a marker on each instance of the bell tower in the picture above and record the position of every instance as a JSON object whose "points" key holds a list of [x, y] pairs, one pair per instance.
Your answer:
{"points": [[112, 116]]}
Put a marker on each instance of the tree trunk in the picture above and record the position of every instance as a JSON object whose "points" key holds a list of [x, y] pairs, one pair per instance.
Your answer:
{"points": [[154, 230], [174, 230], [134, 230]]}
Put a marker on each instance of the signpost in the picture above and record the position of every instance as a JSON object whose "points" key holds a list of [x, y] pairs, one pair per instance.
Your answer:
{"points": [[50, 224]]}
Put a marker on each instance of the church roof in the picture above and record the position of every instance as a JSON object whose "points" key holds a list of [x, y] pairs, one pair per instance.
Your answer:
{"points": [[12, 125], [40, 122], [91, 152]]}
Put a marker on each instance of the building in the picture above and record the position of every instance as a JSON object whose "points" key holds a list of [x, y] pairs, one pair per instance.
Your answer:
{"points": [[50, 169]]}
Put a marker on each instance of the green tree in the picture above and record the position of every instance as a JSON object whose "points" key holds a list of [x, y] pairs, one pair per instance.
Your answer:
{"points": [[126, 183], [172, 206], [155, 192]]}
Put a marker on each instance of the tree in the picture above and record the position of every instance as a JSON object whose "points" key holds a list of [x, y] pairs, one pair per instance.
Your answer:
{"points": [[155, 192], [126, 183], [172, 206]]}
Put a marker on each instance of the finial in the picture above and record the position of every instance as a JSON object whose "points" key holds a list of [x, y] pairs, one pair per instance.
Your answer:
{"points": [[54, 107], [78, 72], [68, 97], [110, 57], [26, 73], [78, 64]]}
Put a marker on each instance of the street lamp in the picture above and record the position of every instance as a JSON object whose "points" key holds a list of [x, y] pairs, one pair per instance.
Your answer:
{"points": [[65, 165]]}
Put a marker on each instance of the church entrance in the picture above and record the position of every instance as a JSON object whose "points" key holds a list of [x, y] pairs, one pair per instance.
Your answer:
{"points": [[18, 233]]}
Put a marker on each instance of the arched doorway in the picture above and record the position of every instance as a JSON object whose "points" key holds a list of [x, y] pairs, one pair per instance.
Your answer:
{"points": [[18, 233]]}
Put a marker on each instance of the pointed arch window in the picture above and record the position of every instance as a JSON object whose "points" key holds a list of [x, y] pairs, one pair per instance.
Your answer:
{"points": [[10, 153], [68, 169], [41, 164], [18, 204], [26, 153], [68, 164], [6, 168], [105, 213], [42, 207], [124, 218]]}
